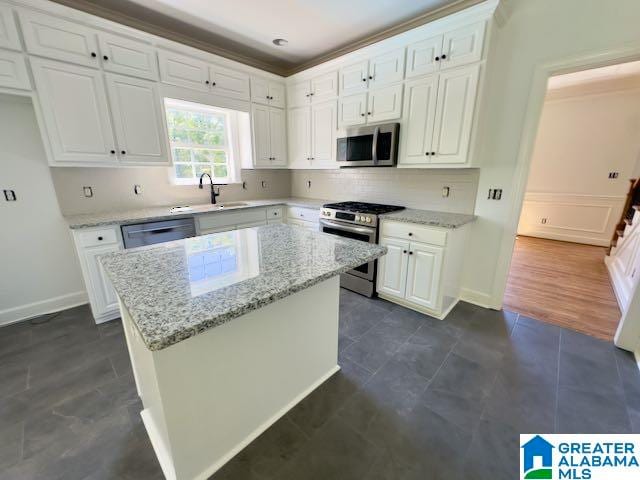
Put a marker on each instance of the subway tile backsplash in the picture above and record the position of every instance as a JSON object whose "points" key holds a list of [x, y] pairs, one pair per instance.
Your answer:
{"points": [[415, 188]]}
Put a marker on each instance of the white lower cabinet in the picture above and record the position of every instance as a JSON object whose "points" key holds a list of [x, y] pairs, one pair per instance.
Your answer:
{"points": [[231, 220], [423, 275], [90, 244], [304, 217]]}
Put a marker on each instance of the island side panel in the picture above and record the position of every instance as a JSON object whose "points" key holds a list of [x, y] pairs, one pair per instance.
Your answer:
{"points": [[222, 388]]}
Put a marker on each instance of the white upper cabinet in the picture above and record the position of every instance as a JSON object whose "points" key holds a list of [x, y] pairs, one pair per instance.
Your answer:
{"points": [[418, 120], [354, 78], [422, 55], [352, 110], [386, 68], [454, 114], [299, 135], [129, 57], [324, 87], [462, 46], [267, 92], [323, 132], [183, 71], [278, 137], [75, 112], [13, 71], [53, 37], [8, 32], [229, 83], [269, 136], [385, 103], [138, 124], [318, 89]]}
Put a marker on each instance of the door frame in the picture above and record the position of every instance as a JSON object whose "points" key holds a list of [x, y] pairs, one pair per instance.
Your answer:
{"points": [[628, 333]]}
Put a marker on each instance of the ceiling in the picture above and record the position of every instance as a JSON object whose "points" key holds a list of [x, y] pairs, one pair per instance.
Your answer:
{"points": [[594, 75], [245, 29]]}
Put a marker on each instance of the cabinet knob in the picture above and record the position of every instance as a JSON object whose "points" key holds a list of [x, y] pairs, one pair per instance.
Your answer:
{"points": [[362, 114], [207, 82], [410, 234], [370, 77], [433, 153], [364, 79], [113, 152], [100, 238], [404, 251], [410, 253], [427, 153], [437, 59], [311, 94], [368, 113], [105, 57], [213, 84], [444, 56], [123, 152], [94, 54]]}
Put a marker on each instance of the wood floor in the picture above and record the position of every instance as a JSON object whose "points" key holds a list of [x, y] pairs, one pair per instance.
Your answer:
{"points": [[562, 283]]}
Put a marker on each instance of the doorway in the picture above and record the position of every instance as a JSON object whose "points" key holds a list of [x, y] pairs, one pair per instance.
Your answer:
{"points": [[577, 200]]}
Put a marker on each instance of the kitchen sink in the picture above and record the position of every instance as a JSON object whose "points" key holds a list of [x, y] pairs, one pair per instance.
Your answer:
{"points": [[232, 204], [207, 207]]}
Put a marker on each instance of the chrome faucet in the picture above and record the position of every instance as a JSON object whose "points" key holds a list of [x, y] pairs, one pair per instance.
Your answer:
{"points": [[213, 191]]}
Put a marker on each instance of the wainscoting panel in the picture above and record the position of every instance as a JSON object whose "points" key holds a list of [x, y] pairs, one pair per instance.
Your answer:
{"points": [[589, 219]]}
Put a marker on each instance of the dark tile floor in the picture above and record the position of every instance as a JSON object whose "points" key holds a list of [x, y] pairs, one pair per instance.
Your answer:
{"points": [[416, 398]]}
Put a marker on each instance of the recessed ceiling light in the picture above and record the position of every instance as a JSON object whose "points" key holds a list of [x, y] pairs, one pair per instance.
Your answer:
{"points": [[280, 42]]}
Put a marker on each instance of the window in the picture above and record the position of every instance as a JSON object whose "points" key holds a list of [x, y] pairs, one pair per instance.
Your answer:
{"points": [[203, 139]]}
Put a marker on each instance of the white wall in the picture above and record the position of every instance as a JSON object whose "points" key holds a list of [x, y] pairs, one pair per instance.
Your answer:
{"points": [[40, 270], [537, 32], [581, 138]]}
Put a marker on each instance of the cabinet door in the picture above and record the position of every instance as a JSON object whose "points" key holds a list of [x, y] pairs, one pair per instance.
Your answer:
{"points": [[299, 134], [352, 110], [454, 114], [423, 275], [261, 140], [298, 94], [324, 87], [56, 38], [13, 71], [75, 112], [421, 56], [102, 295], [277, 94], [183, 71], [419, 114], [386, 68], [385, 103], [323, 132], [8, 32], [260, 91], [463, 45], [392, 268], [128, 57], [354, 78], [140, 133], [277, 137], [229, 83]]}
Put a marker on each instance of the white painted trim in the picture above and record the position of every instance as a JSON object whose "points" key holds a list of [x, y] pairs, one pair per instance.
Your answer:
{"points": [[43, 307], [480, 299], [262, 428], [617, 281]]}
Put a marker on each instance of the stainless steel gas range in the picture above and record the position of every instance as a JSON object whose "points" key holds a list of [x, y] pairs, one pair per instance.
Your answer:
{"points": [[357, 220]]}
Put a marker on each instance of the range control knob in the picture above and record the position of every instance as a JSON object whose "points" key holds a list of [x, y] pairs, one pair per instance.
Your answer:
{"points": [[358, 218], [368, 219]]}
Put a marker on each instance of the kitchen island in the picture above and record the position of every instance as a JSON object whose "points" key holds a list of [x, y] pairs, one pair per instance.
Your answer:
{"points": [[227, 332]]}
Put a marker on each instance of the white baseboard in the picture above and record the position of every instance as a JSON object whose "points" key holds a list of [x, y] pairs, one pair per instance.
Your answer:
{"points": [[583, 239], [477, 298], [43, 307]]}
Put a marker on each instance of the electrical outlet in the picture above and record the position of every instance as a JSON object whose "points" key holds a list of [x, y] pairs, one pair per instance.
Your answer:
{"points": [[445, 192], [495, 194], [10, 195], [308, 184], [263, 183], [88, 191], [614, 174], [244, 185], [137, 189], [544, 221]]}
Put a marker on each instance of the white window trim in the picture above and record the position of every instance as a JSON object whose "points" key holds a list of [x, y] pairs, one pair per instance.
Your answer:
{"points": [[233, 141]]}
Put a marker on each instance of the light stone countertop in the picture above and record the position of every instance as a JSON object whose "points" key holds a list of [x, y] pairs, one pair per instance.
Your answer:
{"points": [[176, 290], [164, 213], [430, 217]]}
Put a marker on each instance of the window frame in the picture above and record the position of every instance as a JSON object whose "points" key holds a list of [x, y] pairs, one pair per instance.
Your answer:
{"points": [[232, 141]]}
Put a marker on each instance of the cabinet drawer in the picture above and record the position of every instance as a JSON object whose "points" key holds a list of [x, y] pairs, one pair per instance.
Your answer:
{"points": [[306, 214], [302, 223], [414, 233], [222, 219], [274, 212], [93, 238]]}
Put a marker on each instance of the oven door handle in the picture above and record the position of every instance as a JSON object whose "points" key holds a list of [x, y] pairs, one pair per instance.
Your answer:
{"points": [[374, 146], [348, 228]]}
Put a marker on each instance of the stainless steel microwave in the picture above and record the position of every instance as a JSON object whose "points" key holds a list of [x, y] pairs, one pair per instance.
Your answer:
{"points": [[370, 146]]}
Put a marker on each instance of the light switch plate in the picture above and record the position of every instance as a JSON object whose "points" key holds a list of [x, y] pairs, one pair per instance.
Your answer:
{"points": [[88, 191], [137, 189], [10, 195], [445, 192]]}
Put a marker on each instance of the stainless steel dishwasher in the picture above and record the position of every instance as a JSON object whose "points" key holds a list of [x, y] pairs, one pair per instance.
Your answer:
{"points": [[141, 234]]}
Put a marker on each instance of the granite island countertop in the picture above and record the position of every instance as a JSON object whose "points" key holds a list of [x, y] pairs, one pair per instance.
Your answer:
{"points": [[430, 217], [164, 213], [178, 289]]}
